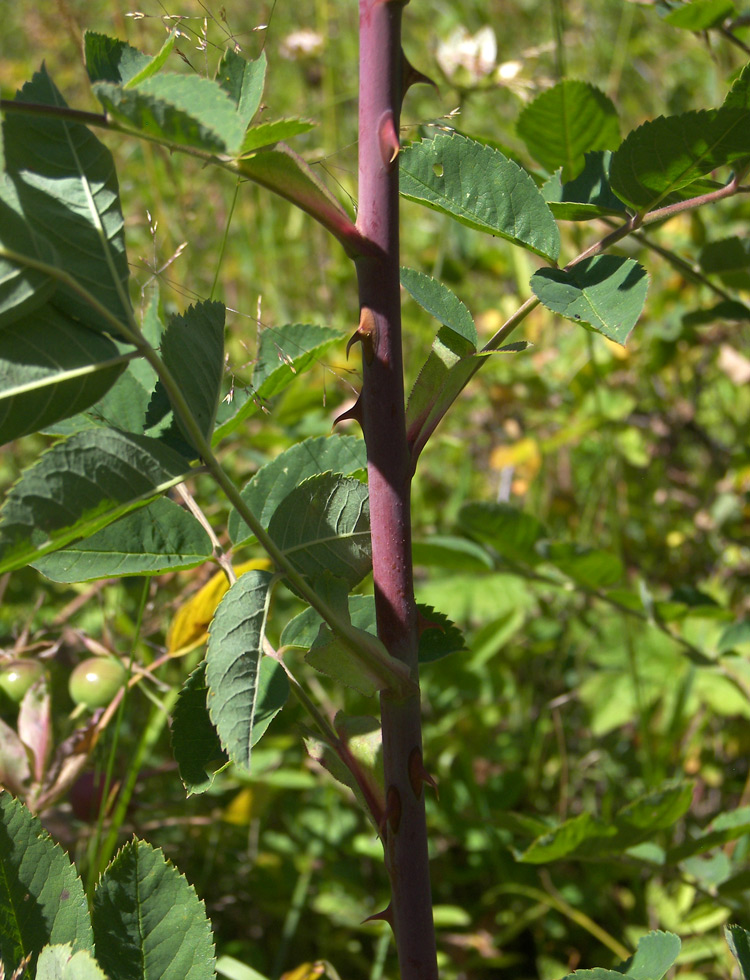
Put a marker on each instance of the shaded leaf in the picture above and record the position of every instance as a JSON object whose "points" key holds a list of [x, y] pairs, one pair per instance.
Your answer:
{"points": [[156, 63], [110, 60], [14, 761], [184, 109], [148, 921], [590, 567], [268, 487], [700, 15], [245, 688], [323, 526], [457, 554], [51, 368], [268, 134], [160, 537], [738, 96], [671, 152], [565, 122], [481, 188], [195, 742], [440, 302], [434, 643], [724, 828], [41, 897], [61, 963], [729, 258], [739, 943], [66, 184], [606, 292], [79, 486], [511, 532], [243, 82], [588, 196], [736, 634], [192, 347], [22, 289]]}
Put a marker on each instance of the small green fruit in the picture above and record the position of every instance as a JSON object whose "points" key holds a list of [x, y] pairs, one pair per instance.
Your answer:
{"points": [[95, 682], [18, 676]]}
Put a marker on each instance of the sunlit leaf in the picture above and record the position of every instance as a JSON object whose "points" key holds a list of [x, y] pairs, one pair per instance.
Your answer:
{"points": [[41, 896], [161, 537], [606, 293], [243, 82], [440, 302], [148, 921], [700, 15], [566, 121], [245, 688], [481, 188]]}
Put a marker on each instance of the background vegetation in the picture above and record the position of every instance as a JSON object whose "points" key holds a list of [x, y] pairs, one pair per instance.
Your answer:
{"points": [[563, 704]]}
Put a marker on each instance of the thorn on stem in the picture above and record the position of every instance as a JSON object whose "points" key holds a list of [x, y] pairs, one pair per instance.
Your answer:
{"points": [[390, 145], [392, 814], [365, 334], [385, 916], [353, 414], [418, 775], [411, 76]]}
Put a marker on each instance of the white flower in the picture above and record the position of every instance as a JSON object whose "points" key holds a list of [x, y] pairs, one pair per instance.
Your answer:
{"points": [[301, 44], [472, 55]]}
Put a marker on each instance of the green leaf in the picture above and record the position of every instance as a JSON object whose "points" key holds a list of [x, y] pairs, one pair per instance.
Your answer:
{"points": [[655, 954], [606, 292], [66, 184], [671, 152], [481, 188], [738, 96], [245, 688], [283, 354], [51, 368], [156, 63], [41, 896], [79, 486], [724, 828], [567, 121], [739, 943], [110, 60], [323, 526], [192, 347], [270, 133], [588, 837], [456, 554], [243, 82], [435, 641], [148, 921], [285, 173], [268, 487], [700, 15], [22, 289], [734, 635], [61, 963], [440, 302], [511, 532], [161, 537], [728, 258], [592, 568], [195, 742], [588, 196], [725, 310], [184, 109]]}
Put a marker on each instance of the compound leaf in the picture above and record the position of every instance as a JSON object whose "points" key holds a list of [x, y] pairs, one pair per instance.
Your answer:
{"points": [[440, 302], [243, 82]]}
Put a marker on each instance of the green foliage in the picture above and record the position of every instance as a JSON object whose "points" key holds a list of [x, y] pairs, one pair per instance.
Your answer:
{"points": [[566, 122], [481, 188], [579, 529]]}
